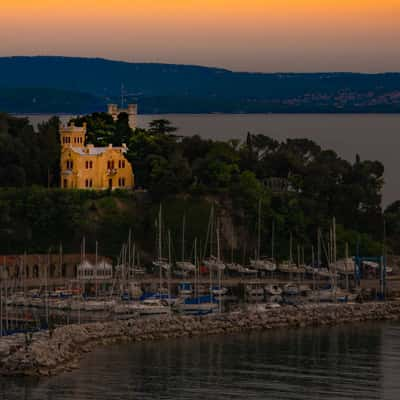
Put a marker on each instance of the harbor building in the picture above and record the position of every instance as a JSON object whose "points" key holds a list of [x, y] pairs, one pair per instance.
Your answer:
{"points": [[131, 110], [84, 166], [35, 268]]}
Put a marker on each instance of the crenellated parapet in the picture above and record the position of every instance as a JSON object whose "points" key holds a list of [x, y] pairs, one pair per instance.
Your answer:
{"points": [[131, 110], [72, 136]]}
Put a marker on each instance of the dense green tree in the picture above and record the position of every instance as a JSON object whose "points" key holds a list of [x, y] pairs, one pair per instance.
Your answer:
{"points": [[314, 184], [161, 127], [28, 157]]}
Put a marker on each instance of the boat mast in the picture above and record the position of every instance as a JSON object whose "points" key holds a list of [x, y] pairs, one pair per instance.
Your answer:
{"points": [[133, 261], [313, 269], [95, 268], [196, 271], [6, 290], [347, 270], [24, 272], [273, 240], [45, 290], [232, 239], [211, 230], [60, 260], [334, 253], [218, 265], [129, 248], [1, 301], [183, 236], [211, 242], [169, 269], [160, 244], [160, 233], [259, 230]]}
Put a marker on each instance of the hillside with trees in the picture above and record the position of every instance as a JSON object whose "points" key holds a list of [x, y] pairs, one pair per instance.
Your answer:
{"points": [[300, 185], [69, 85]]}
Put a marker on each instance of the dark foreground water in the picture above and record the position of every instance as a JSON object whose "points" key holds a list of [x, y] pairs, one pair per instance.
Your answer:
{"points": [[347, 362]]}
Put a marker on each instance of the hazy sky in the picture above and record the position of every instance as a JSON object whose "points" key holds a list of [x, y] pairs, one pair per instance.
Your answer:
{"points": [[253, 35]]}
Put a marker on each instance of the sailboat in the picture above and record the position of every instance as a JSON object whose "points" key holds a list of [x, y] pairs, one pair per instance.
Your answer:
{"points": [[184, 265], [213, 263], [196, 305], [158, 303], [259, 263], [291, 289], [161, 263], [273, 290], [289, 266]]}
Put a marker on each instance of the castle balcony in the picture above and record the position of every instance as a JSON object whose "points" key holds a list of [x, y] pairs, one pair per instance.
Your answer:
{"points": [[111, 171]]}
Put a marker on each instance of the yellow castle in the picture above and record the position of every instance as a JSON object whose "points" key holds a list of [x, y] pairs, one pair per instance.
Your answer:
{"points": [[88, 167]]}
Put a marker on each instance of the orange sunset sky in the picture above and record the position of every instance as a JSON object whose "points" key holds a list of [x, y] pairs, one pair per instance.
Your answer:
{"points": [[253, 35]]}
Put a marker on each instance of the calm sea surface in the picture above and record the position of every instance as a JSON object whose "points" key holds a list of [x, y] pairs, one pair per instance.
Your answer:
{"points": [[348, 362], [374, 137]]}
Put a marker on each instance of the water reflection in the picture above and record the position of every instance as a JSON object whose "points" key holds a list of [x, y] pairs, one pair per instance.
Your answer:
{"points": [[329, 363]]}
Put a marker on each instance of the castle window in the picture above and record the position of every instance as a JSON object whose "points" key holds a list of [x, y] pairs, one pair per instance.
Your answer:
{"points": [[110, 164], [70, 164], [65, 184], [90, 164], [121, 182], [121, 164]]}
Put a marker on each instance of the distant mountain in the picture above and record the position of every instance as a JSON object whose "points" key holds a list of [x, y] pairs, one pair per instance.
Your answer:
{"points": [[34, 100], [62, 84]]}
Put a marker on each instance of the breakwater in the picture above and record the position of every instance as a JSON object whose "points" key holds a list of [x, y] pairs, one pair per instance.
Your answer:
{"points": [[48, 353]]}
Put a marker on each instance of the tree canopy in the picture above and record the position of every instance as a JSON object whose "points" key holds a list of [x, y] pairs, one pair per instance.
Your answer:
{"points": [[301, 185]]}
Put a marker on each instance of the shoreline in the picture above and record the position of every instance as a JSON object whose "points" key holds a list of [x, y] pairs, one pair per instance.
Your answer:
{"points": [[51, 354]]}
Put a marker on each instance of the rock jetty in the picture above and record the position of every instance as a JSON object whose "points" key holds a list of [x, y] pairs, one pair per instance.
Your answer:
{"points": [[48, 353]]}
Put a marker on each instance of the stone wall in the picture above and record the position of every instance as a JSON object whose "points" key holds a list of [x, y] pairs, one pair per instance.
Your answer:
{"points": [[48, 354]]}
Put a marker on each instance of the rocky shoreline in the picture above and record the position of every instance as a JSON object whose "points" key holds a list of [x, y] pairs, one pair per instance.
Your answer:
{"points": [[49, 353]]}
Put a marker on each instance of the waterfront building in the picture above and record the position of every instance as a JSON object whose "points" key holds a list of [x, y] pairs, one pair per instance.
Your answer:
{"points": [[35, 268], [131, 110], [84, 166]]}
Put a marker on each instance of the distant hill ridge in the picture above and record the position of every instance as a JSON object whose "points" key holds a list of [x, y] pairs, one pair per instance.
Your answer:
{"points": [[87, 84]]}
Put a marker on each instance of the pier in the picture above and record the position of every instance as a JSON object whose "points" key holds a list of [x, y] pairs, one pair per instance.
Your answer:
{"points": [[51, 352]]}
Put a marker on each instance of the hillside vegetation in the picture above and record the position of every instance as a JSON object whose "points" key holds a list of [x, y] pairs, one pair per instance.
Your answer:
{"points": [[300, 186], [166, 88]]}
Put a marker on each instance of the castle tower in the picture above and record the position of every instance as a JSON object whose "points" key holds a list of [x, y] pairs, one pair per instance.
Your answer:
{"points": [[72, 136], [132, 112], [114, 111]]}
